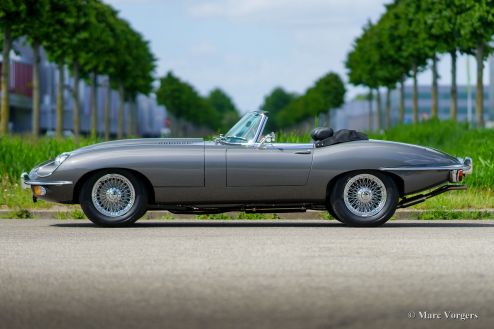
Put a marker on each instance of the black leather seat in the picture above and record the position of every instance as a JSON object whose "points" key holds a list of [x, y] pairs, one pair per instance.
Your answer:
{"points": [[321, 133]]}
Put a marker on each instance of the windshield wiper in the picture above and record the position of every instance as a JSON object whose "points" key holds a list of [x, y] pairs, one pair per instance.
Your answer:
{"points": [[237, 137]]}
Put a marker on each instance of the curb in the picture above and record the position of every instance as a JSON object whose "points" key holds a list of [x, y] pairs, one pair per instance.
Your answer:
{"points": [[401, 214]]}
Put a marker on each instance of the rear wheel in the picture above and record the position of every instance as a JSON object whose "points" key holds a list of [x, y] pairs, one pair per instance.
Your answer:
{"points": [[113, 198], [330, 209], [364, 198]]}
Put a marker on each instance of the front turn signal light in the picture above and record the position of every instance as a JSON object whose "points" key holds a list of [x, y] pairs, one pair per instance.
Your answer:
{"points": [[39, 190]]}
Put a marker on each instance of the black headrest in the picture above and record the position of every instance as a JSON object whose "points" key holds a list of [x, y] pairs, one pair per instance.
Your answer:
{"points": [[321, 133]]}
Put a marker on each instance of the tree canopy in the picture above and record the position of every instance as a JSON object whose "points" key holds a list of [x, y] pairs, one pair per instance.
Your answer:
{"points": [[88, 36], [410, 35], [327, 93]]}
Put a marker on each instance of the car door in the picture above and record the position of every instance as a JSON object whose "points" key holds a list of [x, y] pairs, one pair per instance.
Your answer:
{"points": [[271, 165]]}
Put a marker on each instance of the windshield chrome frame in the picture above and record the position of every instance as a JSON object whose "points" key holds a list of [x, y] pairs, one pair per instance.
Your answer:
{"points": [[257, 136]]}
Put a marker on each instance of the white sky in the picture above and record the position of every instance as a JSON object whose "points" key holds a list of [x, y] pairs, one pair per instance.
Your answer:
{"points": [[248, 47]]}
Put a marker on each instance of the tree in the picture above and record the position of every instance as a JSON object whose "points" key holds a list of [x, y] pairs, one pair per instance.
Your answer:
{"points": [[35, 26], [417, 48], [275, 102], [99, 58], [11, 12], [442, 17], [132, 72], [224, 107], [184, 102], [362, 64], [327, 93], [476, 30], [62, 14], [75, 49]]}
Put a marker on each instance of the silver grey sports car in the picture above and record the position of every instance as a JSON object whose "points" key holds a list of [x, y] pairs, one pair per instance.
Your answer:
{"points": [[361, 182]]}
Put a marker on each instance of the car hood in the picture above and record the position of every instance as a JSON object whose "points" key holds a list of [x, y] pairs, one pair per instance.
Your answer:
{"points": [[130, 143]]}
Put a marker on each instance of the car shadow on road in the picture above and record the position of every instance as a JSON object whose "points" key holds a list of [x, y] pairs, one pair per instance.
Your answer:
{"points": [[393, 224]]}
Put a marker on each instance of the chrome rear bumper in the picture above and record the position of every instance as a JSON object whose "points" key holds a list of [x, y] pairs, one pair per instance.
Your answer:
{"points": [[467, 165]]}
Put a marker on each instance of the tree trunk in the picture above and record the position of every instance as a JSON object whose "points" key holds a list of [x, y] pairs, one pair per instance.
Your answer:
{"points": [[387, 114], [60, 100], [454, 92], [479, 108], [379, 112], [415, 108], [435, 76], [4, 113], [130, 119], [121, 109], [402, 99], [94, 107], [76, 119], [371, 115], [36, 92], [107, 110]]}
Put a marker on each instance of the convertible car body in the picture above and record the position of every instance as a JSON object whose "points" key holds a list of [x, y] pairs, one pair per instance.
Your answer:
{"points": [[360, 182]]}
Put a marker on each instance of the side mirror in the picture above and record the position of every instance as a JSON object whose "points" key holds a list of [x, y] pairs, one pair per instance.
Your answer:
{"points": [[268, 139], [218, 139]]}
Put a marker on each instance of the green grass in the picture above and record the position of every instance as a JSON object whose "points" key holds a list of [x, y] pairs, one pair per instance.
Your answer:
{"points": [[452, 215], [73, 214], [21, 153]]}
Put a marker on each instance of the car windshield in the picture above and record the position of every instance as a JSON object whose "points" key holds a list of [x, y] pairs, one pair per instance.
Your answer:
{"points": [[245, 129]]}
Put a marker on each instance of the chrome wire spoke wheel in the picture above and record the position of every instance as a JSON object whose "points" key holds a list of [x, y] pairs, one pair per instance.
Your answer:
{"points": [[113, 195], [365, 195]]}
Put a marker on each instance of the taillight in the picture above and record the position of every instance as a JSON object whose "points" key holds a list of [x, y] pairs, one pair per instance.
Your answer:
{"points": [[456, 176]]}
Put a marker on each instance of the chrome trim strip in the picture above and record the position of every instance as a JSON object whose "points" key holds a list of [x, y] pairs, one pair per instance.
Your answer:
{"points": [[52, 183], [466, 165], [452, 167], [260, 129]]}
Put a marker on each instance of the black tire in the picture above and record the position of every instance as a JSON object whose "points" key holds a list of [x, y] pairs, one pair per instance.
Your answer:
{"points": [[330, 209], [128, 216], [375, 215]]}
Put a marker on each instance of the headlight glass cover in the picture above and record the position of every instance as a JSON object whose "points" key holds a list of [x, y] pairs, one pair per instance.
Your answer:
{"points": [[48, 168], [61, 158]]}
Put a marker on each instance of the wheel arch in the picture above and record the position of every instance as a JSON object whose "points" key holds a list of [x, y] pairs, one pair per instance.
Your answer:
{"points": [[400, 183], [147, 183]]}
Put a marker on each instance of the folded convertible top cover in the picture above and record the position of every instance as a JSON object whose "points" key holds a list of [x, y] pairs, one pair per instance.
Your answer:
{"points": [[320, 133], [342, 136]]}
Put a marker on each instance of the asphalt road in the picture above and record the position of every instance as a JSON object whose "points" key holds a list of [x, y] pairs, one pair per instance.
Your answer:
{"points": [[291, 274]]}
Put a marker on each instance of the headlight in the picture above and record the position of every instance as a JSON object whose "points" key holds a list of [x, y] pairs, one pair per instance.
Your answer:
{"points": [[61, 158], [48, 168]]}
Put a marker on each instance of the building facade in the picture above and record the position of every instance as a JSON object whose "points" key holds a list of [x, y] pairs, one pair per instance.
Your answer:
{"points": [[151, 117], [355, 114], [466, 103]]}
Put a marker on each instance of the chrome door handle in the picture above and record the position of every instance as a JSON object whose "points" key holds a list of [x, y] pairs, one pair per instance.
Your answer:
{"points": [[303, 152]]}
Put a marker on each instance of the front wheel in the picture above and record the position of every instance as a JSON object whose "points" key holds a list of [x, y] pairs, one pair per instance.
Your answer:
{"points": [[113, 198], [364, 198]]}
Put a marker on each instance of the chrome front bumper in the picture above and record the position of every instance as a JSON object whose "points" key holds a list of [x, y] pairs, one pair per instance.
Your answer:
{"points": [[26, 182]]}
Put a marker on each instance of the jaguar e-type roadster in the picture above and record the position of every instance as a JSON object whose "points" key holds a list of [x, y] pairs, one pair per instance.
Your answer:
{"points": [[361, 182]]}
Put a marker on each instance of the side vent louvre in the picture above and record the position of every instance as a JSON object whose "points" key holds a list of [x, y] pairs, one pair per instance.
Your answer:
{"points": [[180, 141], [177, 142]]}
